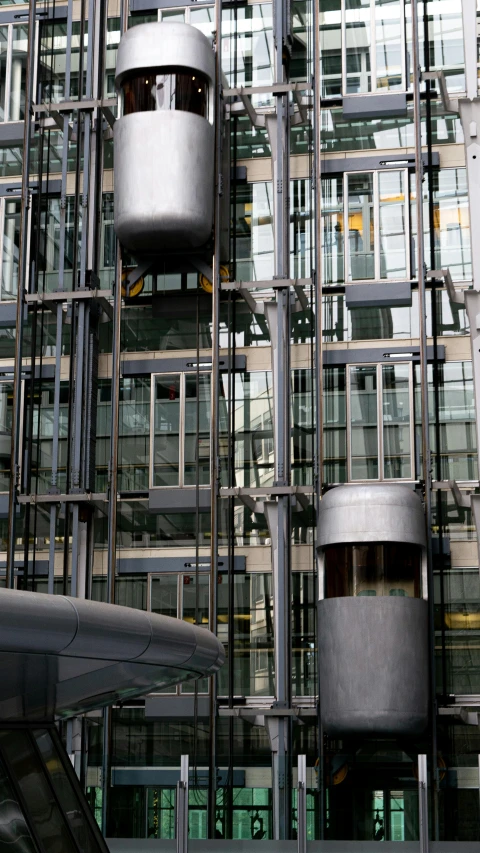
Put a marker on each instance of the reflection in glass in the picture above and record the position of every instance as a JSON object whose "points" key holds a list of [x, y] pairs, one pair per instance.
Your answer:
{"points": [[396, 421], [388, 38], [452, 223], [331, 49], [6, 406], [11, 249], [303, 634], [393, 249], [195, 609], [363, 423], [18, 74], [358, 46], [247, 48], [14, 833], [332, 232], [361, 227], [65, 793], [334, 425], [3, 69], [49, 823], [197, 430], [166, 447]]}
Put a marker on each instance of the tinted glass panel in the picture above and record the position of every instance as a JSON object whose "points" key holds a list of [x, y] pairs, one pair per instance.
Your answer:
{"points": [[372, 569], [166, 89]]}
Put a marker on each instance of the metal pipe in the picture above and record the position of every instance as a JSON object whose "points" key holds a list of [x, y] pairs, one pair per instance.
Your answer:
{"points": [[22, 281], [214, 414], [422, 311]]}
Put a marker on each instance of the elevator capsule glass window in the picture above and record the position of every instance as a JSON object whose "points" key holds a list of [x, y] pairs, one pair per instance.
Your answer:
{"points": [[373, 569], [165, 89]]}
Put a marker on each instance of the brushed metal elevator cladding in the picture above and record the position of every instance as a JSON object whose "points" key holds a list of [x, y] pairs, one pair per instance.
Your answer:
{"points": [[373, 643], [62, 656], [164, 155]]}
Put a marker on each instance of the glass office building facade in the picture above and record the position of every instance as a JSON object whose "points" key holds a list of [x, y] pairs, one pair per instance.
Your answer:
{"points": [[168, 457]]}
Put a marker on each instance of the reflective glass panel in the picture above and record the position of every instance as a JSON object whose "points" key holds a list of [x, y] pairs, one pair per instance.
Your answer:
{"points": [[373, 569], [3, 69], [164, 595], [396, 421], [6, 408], [361, 227], [195, 609], [333, 230], [166, 447], [389, 40], [358, 46], [393, 231], [11, 249], [14, 832], [334, 425], [331, 48], [43, 810], [261, 636], [65, 793], [247, 48], [363, 423], [197, 430], [18, 75], [166, 89]]}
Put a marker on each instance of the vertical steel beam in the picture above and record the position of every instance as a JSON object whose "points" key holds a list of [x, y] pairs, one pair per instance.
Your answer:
{"points": [[278, 513], [22, 283], [215, 414], [425, 418]]}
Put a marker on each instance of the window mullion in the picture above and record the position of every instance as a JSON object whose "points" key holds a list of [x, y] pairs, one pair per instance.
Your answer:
{"points": [[343, 48]]}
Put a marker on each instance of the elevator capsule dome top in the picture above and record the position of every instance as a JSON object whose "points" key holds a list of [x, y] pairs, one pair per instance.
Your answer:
{"points": [[164, 140]]}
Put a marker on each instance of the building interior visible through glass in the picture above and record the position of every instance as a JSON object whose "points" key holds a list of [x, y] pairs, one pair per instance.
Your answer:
{"points": [[166, 89], [373, 568]]}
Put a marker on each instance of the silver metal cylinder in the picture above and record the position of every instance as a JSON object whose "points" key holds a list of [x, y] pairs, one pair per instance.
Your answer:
{"points": [[373, 634], [164, 158]]}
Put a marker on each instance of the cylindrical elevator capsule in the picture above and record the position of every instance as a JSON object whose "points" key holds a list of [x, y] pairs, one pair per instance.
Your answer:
{"points": [[164, 142], [372, 620]]}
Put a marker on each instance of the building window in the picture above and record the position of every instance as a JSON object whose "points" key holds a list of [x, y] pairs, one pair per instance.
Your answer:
{"points": [[6, 410], [52, 62], [365, 44], [374, 207], [13, 71], [181, 433], [368, 424]]}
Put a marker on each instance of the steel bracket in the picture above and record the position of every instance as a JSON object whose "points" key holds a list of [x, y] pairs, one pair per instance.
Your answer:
{"points": [[457, 296]]}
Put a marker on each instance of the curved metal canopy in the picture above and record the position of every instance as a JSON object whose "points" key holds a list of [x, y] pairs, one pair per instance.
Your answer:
{"points": [[61, 656]]}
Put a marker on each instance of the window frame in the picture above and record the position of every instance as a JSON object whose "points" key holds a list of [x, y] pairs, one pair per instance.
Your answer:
{"points": [[182, 374], [373, 53], [376, 226], [380, 424]]}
